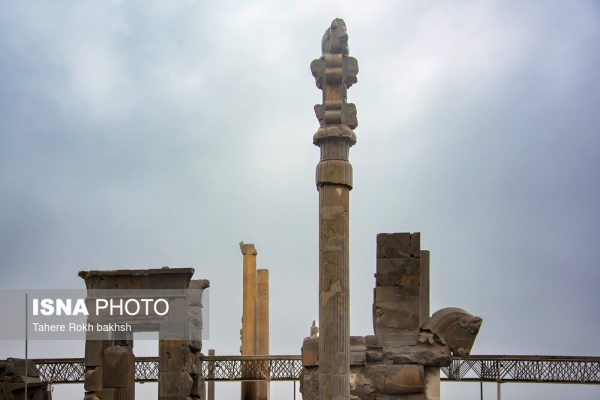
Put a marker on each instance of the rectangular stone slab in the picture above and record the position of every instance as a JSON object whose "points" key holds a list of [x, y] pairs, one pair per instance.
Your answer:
{"points": [[396, 379], [393, 245], [404, 271]]}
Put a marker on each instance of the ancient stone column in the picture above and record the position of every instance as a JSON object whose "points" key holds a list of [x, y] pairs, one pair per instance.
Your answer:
{"points": [[262, 326], [249, 312], [334, 72]]}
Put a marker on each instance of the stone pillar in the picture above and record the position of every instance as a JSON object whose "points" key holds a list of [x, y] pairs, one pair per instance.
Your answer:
{"points": [[397, 302], [249, 313], [424, 286], [262, 326], [175, 380], [118, 379], [211, 374], [334, 72]]}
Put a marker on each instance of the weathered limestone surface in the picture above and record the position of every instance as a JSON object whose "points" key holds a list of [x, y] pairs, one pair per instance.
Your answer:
{"points": [[14, 377], [334, 73]]}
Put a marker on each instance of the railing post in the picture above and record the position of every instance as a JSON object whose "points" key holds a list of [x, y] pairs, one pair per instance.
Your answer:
{"points": [[211, 376]]}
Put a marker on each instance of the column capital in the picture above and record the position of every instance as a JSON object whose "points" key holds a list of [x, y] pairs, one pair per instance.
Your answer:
{"points": [[248, 249]]}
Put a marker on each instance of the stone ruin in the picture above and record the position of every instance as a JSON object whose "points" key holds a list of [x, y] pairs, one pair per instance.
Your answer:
{"points": [[402, 360], [13, 378], [403, 357], [109, 361], [254, 333]]}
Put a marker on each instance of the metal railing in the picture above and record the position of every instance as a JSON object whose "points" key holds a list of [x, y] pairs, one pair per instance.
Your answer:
{"points": [[533, 369], [536, 369]]}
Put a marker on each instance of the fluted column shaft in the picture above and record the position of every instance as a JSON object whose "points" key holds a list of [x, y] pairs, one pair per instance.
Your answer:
{"points": [[334, 72]]}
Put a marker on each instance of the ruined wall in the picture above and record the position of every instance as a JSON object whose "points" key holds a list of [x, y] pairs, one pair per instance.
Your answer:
{"points": [[402, 359], [13, 378], [109, 361]]}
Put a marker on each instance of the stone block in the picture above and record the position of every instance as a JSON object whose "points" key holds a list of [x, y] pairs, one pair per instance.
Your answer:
{"points": [[198, 388], [404, 271], [374, 356], [396, 379], [16, 367], [436, 354], [41, 394], [310, 352], [118, 394], [94, 352], [425, 256], [160, 278], [432, 383], [395, 245], [391, 337], [390, 296], [118, 371], [174, 384], [93, 379], [358, 350], [371, 341], [309, 383], [195, 365], [396, 307], [175, 355], [195, 345], [175, 397], [358, 354], [419, 396]]}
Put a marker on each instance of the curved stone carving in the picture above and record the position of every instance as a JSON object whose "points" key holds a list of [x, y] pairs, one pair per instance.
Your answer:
{"points": [[456, 327], [335, 39]]}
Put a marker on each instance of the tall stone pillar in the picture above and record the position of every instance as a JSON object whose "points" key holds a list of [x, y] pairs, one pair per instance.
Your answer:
{"points": [[262, 326], [334, 72], [249, 313], [424, 286]]}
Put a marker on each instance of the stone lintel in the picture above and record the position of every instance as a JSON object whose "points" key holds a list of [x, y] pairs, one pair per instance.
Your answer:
{"points": [[155, 278]]}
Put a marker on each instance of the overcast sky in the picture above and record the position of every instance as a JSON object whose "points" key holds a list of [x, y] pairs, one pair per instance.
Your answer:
{"points": [[144, 133]]}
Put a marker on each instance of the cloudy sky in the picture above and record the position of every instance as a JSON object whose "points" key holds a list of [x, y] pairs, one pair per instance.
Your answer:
{"points": [[145, 133]]}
